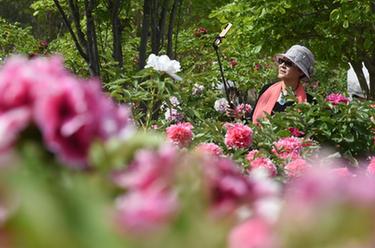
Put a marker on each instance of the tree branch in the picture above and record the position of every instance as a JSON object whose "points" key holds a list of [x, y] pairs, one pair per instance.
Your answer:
{"points": [[70, 29]]}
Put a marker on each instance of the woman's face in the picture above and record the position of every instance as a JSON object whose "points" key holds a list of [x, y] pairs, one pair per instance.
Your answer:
{"points": [[288, 70]]}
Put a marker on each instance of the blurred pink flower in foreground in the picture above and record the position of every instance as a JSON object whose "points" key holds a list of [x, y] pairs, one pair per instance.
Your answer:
{"points": [[371, 167], [150, 200], [238, 136], [289, 147], [209, 148], [296, 168], [180, 134], [149, 169], [336, 98], [253, 233], [140, 211], [70, 113], [228, 188], [343, 206]]}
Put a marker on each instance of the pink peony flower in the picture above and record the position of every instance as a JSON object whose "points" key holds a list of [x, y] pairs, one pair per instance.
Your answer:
{"points": [[295, 132], [238, 136], [265, 163], [371, 167], [336, 98], [252, 155], [210, 148], [149, 169], [69, 112], [141, 211], [200, 31], [228, 188], [253, 233], [289, 147], [296, 168], [75, 114], [240, 111], [180, 134]]}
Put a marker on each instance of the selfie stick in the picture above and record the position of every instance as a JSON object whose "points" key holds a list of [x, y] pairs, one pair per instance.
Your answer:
{"points": [[216, 44]]}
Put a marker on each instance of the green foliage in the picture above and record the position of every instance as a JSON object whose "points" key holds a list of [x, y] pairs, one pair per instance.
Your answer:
{"points": [[16, 40], [347, 128]]}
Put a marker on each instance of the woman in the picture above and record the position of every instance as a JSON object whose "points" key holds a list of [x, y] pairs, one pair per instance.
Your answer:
{"points": [[293, 66]]}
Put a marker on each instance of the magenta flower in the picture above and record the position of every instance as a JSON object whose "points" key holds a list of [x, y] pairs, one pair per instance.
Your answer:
{"points": [[253, 233], [180, 134], [69, 112], [210, 148], [228, 188], [288, 148], [336, 98], [295, 132], [141, 211], [296, 168], [238, 136], [74, 115]]}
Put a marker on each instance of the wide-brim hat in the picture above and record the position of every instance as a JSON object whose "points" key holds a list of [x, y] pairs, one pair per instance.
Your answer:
{"points": [[302, 57]]}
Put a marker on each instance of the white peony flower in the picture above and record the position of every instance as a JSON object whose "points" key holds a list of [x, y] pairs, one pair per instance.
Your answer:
{"points": [[221, 105], [164, 64]]}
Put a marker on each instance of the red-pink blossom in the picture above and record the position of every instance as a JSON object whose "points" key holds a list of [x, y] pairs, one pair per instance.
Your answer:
{"points": [[210, 148], [336, 98], [253, 233], [180, 134], [240, 111], [371, 167], [140, 211], [296, 168], [200, 31], [238, 136], [295, 132], [289, 147], [233, 62]]}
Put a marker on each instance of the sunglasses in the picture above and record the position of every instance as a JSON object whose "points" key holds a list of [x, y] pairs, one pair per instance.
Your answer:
{"points": [[286, 62]]}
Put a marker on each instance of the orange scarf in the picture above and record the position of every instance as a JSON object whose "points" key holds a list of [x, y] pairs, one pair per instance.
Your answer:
{"points": [[268, 99]]}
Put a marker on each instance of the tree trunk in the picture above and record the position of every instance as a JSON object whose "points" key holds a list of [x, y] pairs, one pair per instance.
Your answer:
{"points": [[115, 8], [177, 28], [92, 39], [162, 23], [172, 19], [144, 33], [155, 32]]}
